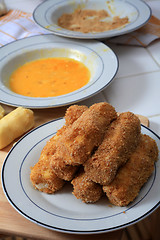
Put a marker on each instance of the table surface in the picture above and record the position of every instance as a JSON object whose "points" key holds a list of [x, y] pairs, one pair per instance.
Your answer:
{"points": [[137, 80]]}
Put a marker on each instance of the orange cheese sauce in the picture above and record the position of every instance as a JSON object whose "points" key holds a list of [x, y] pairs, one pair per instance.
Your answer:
{"points": [[49, 77]]}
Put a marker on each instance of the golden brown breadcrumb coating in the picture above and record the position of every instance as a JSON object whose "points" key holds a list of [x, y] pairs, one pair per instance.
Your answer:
{"points": [[76, 145], [85, 189], [63, 170], [132, 176], [60, 168], [42, 175], [73, 113], [121, 139]]}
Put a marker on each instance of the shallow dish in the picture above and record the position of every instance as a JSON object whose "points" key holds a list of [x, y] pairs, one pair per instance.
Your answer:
{"points": [[62, 211], [48, 12], [100, 59]]}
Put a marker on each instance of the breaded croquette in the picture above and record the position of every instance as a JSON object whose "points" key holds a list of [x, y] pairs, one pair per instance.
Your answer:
{"points": [[44, 179], [60, 168], [42, 175], [132, 176], [63, 170], [87, 132], [85, 189], [73, 113], [121, 139]]}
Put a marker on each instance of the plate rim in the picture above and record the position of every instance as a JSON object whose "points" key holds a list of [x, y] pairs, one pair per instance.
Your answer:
{"points": [[103, 35], [77, 97], [120, 226]]}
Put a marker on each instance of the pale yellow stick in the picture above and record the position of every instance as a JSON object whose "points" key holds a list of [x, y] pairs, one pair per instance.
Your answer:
{"points": [[2, 112], [15, 124]]}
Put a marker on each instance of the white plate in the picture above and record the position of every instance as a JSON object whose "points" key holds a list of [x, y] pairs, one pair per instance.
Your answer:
{"points": [[100, 59], [62, 211], [48, 12]]}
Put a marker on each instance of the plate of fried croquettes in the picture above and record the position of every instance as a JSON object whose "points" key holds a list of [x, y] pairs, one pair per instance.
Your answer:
{"points": [[90, 172]]}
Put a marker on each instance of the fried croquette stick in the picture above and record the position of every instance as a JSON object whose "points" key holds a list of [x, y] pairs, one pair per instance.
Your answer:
{"points": [[121, 139], [84, 135], [132, 176], [85, 189], [60, 168], [42, 175], [73, 113], [63, 170]]}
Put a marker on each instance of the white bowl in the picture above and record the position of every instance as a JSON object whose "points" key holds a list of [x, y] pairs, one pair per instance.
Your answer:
{"points": [[98, 58], [49, 11]]}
